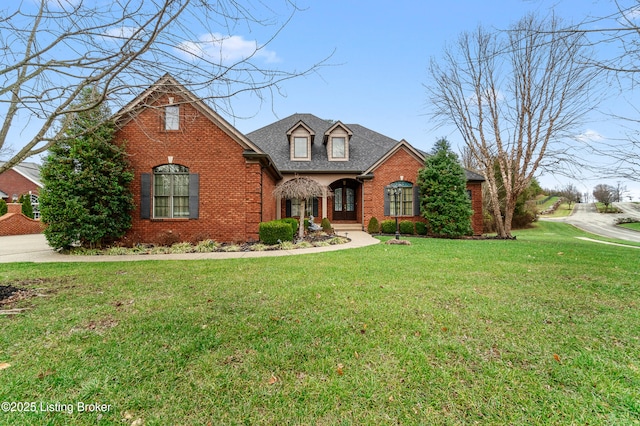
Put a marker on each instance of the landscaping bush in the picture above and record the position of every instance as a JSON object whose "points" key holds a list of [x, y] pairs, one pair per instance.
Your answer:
{"points": [[407, 227], [3, 207], [388, 226], [326, 225], [276, 231], [27, 208], [293, 222], [421, 228], [374, 226]]}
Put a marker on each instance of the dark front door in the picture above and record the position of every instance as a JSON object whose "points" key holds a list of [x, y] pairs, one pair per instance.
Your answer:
{"points": [[344, 200]]}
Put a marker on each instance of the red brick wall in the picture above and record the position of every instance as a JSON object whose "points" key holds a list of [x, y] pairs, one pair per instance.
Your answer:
{"points": [[402, 163], [12, 182], [229, 191], [15, 223]]}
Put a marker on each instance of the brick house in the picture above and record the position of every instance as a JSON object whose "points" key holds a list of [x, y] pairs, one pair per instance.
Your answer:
{"points": [[21, 179], [197, 177]]}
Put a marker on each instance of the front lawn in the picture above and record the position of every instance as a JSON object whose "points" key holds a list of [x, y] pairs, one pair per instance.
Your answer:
{"points": [[541, 330]]}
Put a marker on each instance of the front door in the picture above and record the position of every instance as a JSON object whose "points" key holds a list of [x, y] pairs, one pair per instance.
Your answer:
{"points": [[344, 200]]}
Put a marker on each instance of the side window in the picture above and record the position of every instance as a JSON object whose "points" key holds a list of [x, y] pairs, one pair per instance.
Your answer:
{"points": [[172, 117]]}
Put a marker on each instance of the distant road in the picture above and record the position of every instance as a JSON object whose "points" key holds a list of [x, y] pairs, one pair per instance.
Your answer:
{"points": [[587, 218]]}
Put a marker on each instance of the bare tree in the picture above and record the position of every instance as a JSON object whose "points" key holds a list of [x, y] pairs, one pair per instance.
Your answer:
{"points": [[617, 37], [604, 194], [570, 193], [51, 50], [301, 188], [512, 95]]}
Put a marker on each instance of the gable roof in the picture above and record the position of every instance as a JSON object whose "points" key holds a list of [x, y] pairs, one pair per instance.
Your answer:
{"points": [[28, 170], [169, 85], [365, 146]]}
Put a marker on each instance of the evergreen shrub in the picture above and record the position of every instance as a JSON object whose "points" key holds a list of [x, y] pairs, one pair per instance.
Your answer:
{"points": [[421, 228], [276, 231], [388, 226], [374, 226], [407, 227]]}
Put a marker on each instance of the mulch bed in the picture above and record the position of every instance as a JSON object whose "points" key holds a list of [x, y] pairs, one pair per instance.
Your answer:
{"points": [[10, 294]]}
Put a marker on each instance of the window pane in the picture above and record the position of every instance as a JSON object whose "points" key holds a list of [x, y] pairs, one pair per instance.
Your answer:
{"points": [[337, 197], [300, 148], [407, 201], [351, 199], [162, 185], [295, 207], [172, 117], [161, 207], [181, 185], [337, 147], [180, 206]]}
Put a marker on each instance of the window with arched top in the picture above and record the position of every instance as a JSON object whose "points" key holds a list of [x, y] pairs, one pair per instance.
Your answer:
{"points": [[404, 201], [170, 192]]}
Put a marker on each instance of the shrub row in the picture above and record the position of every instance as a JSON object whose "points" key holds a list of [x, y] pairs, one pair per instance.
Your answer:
{"points": [[389, 227]]}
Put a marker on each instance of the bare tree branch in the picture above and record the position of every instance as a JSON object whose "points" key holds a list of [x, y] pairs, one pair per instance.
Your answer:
{"points": [[51, 51], [512, 95]]}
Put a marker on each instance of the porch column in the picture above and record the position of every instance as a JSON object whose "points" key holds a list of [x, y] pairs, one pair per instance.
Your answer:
{"points": [[325, 213], [279, 208]]}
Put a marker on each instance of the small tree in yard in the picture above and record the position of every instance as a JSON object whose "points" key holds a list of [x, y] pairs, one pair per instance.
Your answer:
{"points": [[604, 194], [443, 187], [27, 208], [86, 198], [300, 188]]}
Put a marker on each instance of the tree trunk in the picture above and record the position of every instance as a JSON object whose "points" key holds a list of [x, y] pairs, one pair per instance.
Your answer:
{"points": [[303, 207]]}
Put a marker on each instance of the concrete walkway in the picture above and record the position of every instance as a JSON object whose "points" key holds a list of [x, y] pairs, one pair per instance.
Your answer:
{"points": [[34, 248]]}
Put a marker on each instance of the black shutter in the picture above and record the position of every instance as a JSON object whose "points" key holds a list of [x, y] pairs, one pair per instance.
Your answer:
{"points": [[287, 212], [145, 196], [416, 200], [387, 203], [194, 198], [315, 207]]}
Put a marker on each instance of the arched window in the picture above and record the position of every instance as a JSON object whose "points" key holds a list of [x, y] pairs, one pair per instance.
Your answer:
{"points": [[406, 203], [171, 191]]}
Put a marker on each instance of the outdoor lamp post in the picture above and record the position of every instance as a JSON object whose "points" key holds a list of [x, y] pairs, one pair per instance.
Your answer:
{"points": [[395, 192]]}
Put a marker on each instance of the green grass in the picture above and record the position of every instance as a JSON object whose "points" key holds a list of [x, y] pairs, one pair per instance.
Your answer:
{"points": [[541, 330], [635, 226], [563, 210]]}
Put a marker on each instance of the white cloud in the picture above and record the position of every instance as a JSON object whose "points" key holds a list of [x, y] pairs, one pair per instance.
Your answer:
{"points": [[589, 136], [224, 49], [120, 33]]}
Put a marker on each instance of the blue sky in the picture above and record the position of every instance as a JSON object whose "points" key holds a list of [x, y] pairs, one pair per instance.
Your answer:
{"points": [[381, 58], [378, 68]]}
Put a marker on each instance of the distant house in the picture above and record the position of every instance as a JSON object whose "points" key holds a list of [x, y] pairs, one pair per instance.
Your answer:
{"points": [[21, 179], [197, 177]]}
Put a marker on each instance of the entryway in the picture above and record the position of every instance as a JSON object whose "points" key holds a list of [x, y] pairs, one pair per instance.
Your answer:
{"points": [[345, 200]]}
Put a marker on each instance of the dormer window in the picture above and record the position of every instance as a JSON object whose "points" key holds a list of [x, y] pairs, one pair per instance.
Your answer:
{"points": [[337, 141], [300, 140], [300, 148], [338, 148]]}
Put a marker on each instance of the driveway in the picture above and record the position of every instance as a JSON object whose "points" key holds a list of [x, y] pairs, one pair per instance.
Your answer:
{"points": [[586, 217], [34, 248]]}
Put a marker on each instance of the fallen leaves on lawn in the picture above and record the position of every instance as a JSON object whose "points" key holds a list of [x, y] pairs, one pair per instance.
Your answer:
{"points": [[273, 380], [4, 365], [557, 358], [339, 370]]}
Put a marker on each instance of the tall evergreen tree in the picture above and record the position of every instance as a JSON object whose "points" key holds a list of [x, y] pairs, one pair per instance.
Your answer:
{"points": [[86, 198], [443, 187]]}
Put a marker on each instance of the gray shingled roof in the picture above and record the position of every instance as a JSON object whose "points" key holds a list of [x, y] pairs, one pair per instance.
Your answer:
{"points": [[365, 146], [29, 170]]}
